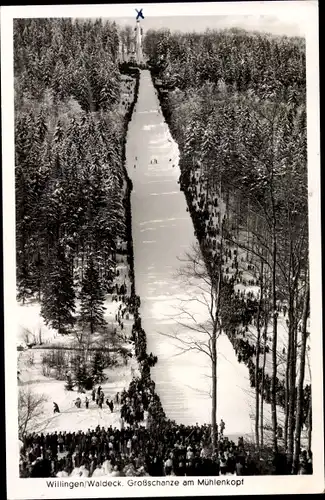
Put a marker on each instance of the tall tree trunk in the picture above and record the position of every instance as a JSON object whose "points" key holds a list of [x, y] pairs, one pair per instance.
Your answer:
{"points": [[292, 379], [286, 401], [310, 423], [247, 222], [257, 363], [39, 277], [217, 293], [300, 392], [82, 263], [290, 334], [274, 340], [263, 379], [289, 348], [214, 391], [227, 204]]}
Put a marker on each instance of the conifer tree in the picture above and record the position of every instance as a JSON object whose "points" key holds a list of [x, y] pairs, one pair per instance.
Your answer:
{"points": [[81, 375], [97, 368], [24, 282], [92, 299], [69, 383], [58, 299]]}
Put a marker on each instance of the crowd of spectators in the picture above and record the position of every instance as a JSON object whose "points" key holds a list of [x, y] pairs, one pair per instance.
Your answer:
{"points": [[135, 450], [147, 444], [177, 450]]}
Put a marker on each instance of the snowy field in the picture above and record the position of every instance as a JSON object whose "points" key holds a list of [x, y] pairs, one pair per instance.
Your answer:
{"points": [[31, 328], [32, 378], [70, 417]]}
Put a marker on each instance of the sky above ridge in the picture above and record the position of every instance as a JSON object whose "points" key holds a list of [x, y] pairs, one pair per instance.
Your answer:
{"points": [[274, 25]]}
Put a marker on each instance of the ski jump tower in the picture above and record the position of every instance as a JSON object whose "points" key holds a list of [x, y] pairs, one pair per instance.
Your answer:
{"points": [[138, 42]]}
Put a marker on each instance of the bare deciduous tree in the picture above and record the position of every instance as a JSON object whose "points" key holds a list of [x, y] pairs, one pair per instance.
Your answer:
{"points": [[30, 407], [199, 314]]}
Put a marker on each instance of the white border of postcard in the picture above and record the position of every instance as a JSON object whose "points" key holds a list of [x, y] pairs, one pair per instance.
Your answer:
{"points": [[303, 13]]}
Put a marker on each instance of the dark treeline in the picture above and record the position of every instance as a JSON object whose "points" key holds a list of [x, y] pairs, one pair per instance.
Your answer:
{"points": [[70, 178], [235, 103], [244, 61]]}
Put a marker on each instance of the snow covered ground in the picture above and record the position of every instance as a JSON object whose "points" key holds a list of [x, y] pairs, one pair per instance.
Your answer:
{"points": [[31, 328], [32, 378], [70, 417]]}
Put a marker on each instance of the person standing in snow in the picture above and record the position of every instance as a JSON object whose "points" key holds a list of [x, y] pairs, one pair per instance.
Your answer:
{"points": [[98, 470], [189, 454], [101, 397], [87, 402], [56, 408], [60, 442], [107, 466]]}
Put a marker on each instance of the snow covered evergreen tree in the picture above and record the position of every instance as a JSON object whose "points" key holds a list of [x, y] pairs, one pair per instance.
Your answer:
{"points": [[58, 299], [68, 160], [92, 299], [81, 374], [97, 368]]}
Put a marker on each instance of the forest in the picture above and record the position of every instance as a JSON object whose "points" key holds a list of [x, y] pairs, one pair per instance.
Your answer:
{"points": [[70, 178], [236, 105]]}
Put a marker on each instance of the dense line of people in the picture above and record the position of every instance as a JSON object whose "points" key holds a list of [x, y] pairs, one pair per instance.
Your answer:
{"points": [[177, 450]]}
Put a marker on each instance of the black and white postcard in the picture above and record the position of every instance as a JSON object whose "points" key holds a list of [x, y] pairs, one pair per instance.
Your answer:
{"points": [[162, 249]]}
